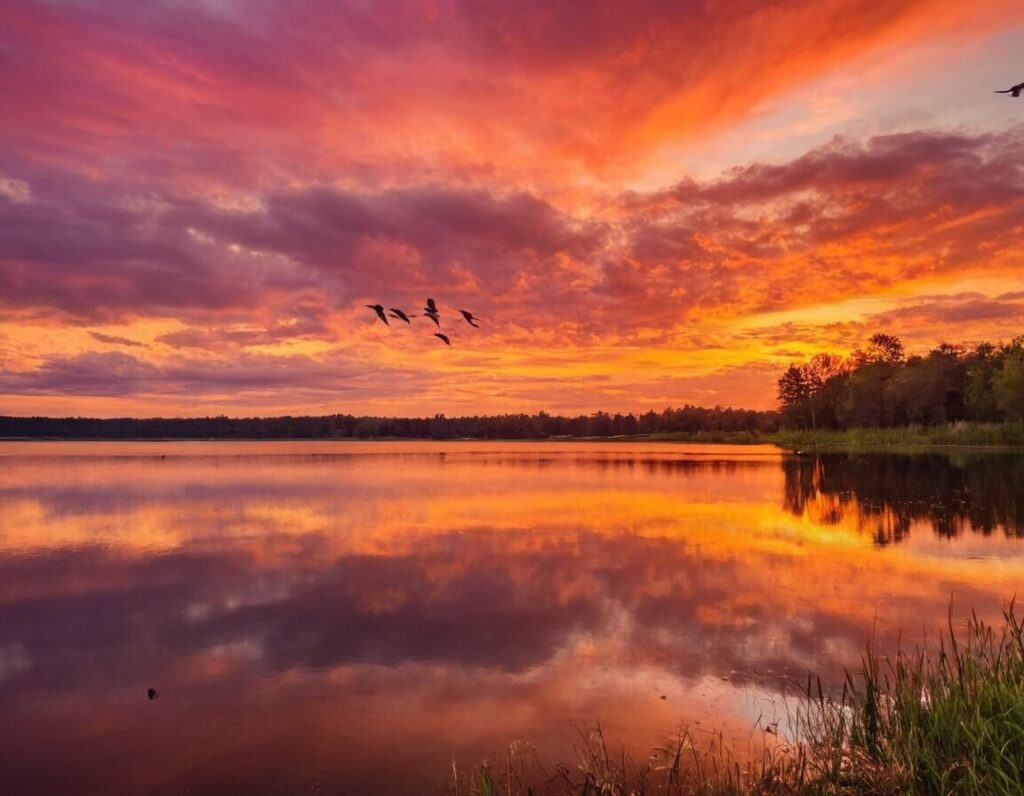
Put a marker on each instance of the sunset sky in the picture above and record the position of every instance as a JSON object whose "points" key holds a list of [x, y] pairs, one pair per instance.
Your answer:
{"points": [[647, 204]]}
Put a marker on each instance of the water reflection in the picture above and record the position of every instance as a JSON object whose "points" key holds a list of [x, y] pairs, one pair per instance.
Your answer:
{"points": [[888, 494], [349, 617]]}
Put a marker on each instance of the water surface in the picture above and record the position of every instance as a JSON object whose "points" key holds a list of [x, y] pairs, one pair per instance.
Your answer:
{"points": [[349, 617]]}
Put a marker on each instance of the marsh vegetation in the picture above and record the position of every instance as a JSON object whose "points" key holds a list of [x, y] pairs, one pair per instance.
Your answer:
{"points": [[947, 718]]}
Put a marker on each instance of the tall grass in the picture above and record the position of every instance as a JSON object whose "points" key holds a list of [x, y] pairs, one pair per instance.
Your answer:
{"points": [[960, 433], [946, 719], [942, 721], [987, 434]]}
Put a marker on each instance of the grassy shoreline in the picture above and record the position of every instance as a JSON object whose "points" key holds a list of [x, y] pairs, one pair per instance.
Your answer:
{"points": [[986, 435], [947, 719], [989, 435]]}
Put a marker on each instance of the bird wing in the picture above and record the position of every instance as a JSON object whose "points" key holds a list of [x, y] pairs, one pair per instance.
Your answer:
{"points": [[444, 338], [1003, 91]]}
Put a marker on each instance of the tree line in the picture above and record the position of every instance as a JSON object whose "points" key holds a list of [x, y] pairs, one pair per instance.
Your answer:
{"points": [[687, 419], [879, 385]]}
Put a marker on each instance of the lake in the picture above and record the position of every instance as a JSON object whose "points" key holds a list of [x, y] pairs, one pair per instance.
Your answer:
{"points": [[349, 617]]}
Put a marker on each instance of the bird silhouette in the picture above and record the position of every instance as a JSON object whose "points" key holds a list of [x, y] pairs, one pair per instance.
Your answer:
{"points": [[395, 313], [380, 312], [470, 317], [152, 694], [1013, 90], [431, 312], [444, 338]]}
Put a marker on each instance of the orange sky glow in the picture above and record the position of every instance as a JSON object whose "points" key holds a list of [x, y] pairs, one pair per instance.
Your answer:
{"points": [[647, 204]]}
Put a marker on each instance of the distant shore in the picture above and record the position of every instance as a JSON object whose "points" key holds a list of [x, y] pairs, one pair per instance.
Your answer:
{"points": [[960, 435]]}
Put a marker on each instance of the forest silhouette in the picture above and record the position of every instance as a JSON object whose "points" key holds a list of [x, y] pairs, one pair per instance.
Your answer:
{"points": [[880, 386]]}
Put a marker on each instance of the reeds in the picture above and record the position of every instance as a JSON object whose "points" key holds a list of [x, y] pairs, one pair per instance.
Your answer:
{"points": [[940, 721], [961, 433], [952, 434], [945, 719]]}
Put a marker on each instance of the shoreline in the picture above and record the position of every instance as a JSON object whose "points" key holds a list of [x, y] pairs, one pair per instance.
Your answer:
{"points": [[939, 718], [789, 442]]}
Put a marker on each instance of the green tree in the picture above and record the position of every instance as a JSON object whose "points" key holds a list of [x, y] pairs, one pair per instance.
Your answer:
{"points": [[794, 396], [979, 395], [885, 348], [928, 389], [1008, 386], [823, 377], [864, 403], [912, 393]]}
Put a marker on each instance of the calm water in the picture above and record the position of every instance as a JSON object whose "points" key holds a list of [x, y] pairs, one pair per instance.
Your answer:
{"points": [[350, 617]]}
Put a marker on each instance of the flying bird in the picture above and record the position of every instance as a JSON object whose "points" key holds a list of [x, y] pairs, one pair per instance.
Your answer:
{"points": [[400, 315], [431, 312], [152, 694], [1013, 90], [380, 312], [470, 317], [444, 338]]}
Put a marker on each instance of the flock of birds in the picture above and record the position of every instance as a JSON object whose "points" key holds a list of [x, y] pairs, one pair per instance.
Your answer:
{"points": [[430, 311]]}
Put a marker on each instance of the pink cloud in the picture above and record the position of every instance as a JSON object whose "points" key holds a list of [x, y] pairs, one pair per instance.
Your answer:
{"points": [[257, 171]]}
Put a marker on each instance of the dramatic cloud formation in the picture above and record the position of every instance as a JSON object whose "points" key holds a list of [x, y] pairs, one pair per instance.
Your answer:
{"points": [[197, 198]]}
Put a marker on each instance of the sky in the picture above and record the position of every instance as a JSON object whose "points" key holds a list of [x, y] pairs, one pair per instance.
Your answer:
{"points": [[646, 204]]}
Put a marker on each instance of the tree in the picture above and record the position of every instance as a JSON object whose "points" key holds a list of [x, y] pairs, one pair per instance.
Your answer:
{"points": [[823, 375], [865, 403], [794, 395], [928, 389], [885, 348], [979, 395], [1008, 386], [911, 392], [950, 368]]}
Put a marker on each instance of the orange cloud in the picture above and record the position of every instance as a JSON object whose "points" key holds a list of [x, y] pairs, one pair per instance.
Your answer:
{"points": [[228, 185]]}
